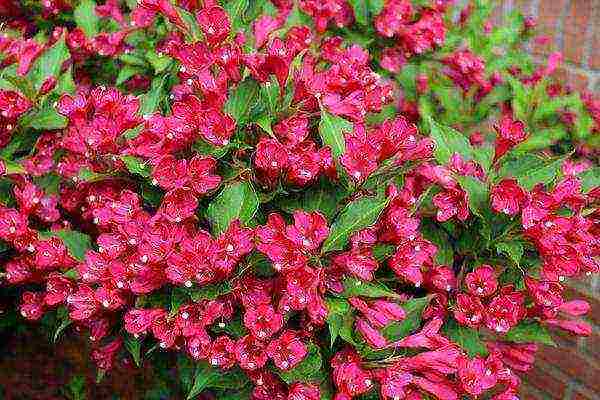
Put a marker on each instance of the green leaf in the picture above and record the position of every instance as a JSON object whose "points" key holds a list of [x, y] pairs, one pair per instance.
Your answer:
{"points": [[136, 166], [235, 201], [414, 311], [542, 139], [449, 141], [76, 242], [357, 287], [12, 167], [75, 389], [375, 6], [336, 310], [331, 129], [49, 63], [126, 72], [590, 179], [439, 237], [467, 338], [85, 17], [207, 149], [309, 370], [270, 95], [63, 316], [322, 199], [241, 100], [357, 215], [134, 347], [513, 250], [478, 193], [236, 9], [209, 292], [159, 62], [361, 11], [150, 101], [529, 169], [529, 332], [46, 118], [203, 377]]}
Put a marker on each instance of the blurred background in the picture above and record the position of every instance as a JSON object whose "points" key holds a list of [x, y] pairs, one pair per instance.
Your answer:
{"points": [[32, 367]]}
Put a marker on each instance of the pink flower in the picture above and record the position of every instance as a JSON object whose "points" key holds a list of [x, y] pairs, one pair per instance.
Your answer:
{"points": [[507, 197], [468, 310], [287, 351], [263, 321], [214, 23], [482, 281]]}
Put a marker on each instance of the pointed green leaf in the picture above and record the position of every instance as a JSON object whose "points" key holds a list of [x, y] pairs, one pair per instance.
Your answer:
{"points": [[590, 179], [357, 287], [512, 249], [137, 166], [414, 311], [76, 242], [85, 17], [331, 129], [309, 369], [529, 169], [467, 338], [241, 100], [357, 215], [49, 63], [134, 347], [235, 201], [478, 193], [529, 332]]}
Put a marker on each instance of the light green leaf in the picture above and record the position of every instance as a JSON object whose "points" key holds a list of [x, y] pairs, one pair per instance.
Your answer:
{"points": [[361, 12], [236, 9], [85, 17], [478, 193], [590, 179], [357, 215], [513, 250], [76, 242], [159, 62], [331, 129], [336, 310], [150, 101], [137, 166], [235, 201], [126, 72], [49, 63], [354, 287], [45, 118], [449, 141], [241, 100], [529, 332], [529, 169], [467, 338]]}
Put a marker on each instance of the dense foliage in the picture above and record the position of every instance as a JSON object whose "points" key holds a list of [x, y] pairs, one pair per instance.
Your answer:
{"points": [[294, 199]]}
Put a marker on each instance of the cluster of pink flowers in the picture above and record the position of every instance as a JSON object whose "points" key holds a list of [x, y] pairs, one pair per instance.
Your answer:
{"points": [[114, 149]]}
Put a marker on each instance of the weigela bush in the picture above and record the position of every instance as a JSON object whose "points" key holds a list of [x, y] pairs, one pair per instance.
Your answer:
{"points": [[295, 200]]}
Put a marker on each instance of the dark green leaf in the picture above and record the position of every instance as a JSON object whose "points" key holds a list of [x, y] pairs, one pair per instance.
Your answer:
{"points": [[209, 292], [435, 234], [309, 370], [467, 338], [529, 332], [203, 377], [85, 17], [357, 215], [134, 347], [414, 310], [235, 201], [62, 316]]}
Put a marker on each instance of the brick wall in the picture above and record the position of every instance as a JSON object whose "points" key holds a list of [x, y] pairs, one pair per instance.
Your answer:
{"points": [[573, 28], [570, 371]]}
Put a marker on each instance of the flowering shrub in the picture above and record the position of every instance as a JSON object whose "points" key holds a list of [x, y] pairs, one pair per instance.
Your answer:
{"points": [[301, 199]]}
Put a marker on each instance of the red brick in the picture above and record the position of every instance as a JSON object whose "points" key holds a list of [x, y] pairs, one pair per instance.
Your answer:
{"points": [[595, 56], [546, 381], [574, 365], [549, 14], [582, 396], [575, 29], [529, 392]]}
